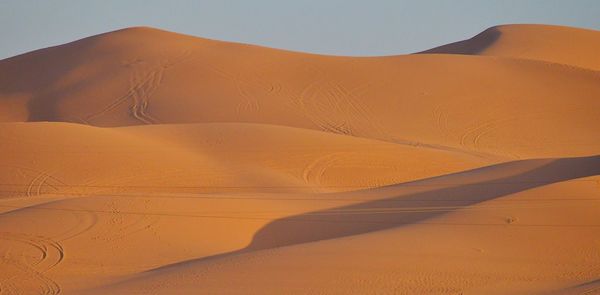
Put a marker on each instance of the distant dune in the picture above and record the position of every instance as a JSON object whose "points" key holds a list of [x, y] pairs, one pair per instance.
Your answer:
{"points": [[142, 161], [563, 45]]}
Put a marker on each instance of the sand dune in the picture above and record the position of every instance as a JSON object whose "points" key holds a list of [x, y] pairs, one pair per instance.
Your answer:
{"points": [[563, 45], [502, 232], [144, 76], [142, 161], [210, 157]]}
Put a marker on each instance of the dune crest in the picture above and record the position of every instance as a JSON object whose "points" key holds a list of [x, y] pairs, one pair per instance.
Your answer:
{"points": [[556, 44]]}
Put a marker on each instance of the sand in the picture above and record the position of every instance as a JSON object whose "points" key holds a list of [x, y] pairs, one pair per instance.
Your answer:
{"points": [[143, 161]]}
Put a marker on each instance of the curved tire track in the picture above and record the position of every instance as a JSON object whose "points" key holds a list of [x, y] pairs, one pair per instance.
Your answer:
{"points": [[51, 254]]}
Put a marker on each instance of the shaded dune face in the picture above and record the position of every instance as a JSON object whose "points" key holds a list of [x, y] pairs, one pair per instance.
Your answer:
{"points": [[144, 161], [476, 45], [390, 212]]}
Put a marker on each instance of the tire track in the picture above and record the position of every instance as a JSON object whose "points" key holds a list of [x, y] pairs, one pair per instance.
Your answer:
{"points": [[359, 110], [471, 139], [141, 89], [33, 184], [142, 84], [51, 254], [309, 105], [45, 285], [487, 129], [441, 119], [313, 173], [40, 180], [335, 109], [250, 103], [86, 220]]}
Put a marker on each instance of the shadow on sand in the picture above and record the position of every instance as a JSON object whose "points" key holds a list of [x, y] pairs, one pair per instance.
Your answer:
{"points": [[471, 46], [399, 205], [408, 208]]}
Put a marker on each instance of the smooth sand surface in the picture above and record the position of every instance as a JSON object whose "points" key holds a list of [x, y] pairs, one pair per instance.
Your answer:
{"points": [[563, 45], [142, 161]]}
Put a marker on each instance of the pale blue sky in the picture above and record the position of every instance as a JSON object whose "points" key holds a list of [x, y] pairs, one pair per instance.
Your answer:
{"points": [[341, 27]]}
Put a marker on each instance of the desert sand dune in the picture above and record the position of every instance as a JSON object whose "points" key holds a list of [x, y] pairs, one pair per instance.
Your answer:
{"points": [[388, 213], [124, 187], [201, 158], [556, 44], [143, 76], [142, 161], [506, 199]]}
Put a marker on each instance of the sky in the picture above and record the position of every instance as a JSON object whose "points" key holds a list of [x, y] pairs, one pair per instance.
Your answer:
{"points": [[338, 27]]}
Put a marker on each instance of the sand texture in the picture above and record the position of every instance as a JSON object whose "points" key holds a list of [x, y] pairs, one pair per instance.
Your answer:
{"points": [[142, 161]]}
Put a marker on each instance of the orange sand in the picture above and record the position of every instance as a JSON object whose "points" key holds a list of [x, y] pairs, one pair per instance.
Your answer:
{"points": [[148, 162]]}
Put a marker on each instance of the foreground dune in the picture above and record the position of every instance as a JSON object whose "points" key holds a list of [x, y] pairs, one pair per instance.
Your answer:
{"points": [[495, 235], [146, 162]]}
